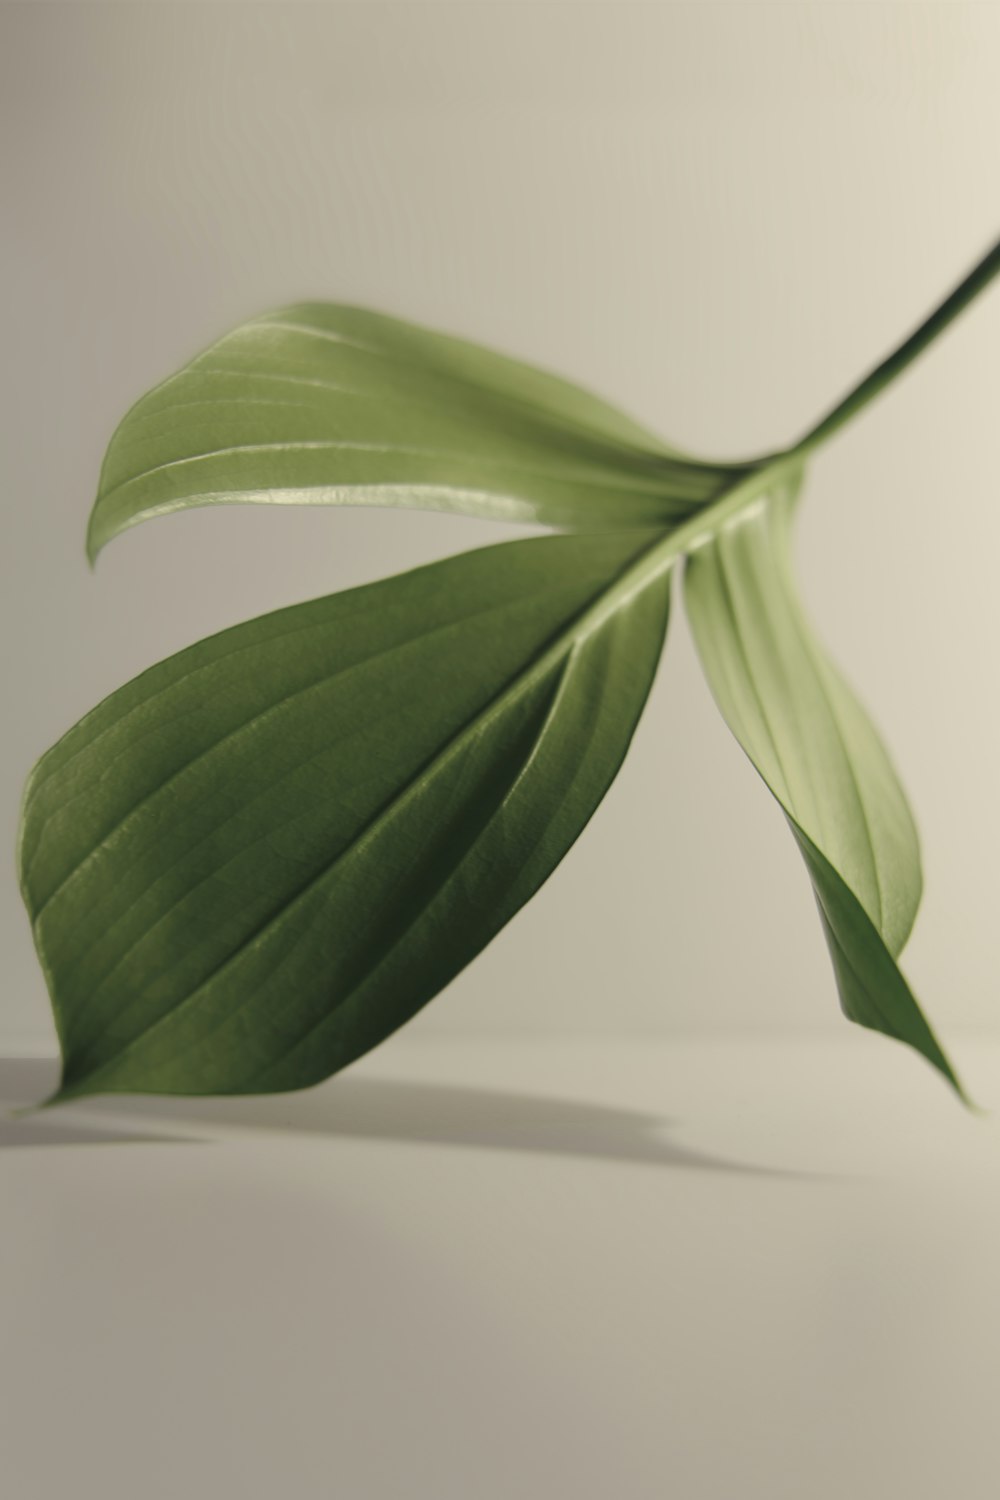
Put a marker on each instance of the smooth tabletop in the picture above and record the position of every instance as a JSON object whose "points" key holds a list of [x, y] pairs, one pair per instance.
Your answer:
{"points": [[594, 1268]]}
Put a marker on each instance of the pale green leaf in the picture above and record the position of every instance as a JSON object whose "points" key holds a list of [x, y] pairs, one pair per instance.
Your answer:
{"points": [[325, 404], [818, 752]]}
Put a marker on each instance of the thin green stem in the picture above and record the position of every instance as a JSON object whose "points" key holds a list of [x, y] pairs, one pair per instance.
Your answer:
{"points": [[776, 468], [876, 380]]}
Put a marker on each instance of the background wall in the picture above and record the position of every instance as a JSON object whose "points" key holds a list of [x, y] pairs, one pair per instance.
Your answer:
{"points": [[716, 216]]}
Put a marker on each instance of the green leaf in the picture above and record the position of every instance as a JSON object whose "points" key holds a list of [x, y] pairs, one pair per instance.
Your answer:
{"points": [[255, 861], [818, 752], [324, 404]]}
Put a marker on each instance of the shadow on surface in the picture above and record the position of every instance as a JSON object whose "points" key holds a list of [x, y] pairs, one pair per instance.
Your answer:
{"points": [[25, 1080], [373, 1109]]}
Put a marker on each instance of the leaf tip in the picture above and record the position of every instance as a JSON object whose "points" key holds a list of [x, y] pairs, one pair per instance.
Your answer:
{"points": [[978, 1110], [92, 546], [943, 1065]]}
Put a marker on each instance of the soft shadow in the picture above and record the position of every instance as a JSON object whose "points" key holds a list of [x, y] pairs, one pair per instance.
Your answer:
{"points": [[52, 1131], [25, 1080], [351, 1107]]}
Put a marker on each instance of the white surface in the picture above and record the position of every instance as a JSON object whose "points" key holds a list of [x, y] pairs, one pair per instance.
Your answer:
{"points": [[571, 1270], [717, 215]]}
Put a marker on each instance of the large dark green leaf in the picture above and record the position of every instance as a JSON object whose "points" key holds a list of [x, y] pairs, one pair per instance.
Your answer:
{"points": [[255, 861], [816, 749], [320, 403]]}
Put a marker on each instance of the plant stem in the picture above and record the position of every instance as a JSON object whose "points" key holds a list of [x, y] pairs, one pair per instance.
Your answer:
{"points": [[780, 467], [881, 376]]}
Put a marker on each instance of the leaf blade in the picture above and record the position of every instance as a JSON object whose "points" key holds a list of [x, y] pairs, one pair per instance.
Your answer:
{"points": [[820, 756], [321, 403], [215, 853], [872, 988]]}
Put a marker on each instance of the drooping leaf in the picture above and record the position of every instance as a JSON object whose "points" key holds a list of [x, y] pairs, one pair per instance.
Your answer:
{"points": [[324, 404], [255, 861], [818, 752]]}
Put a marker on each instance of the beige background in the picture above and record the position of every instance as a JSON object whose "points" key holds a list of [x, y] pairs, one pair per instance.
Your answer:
{"points": [[717, 216], [497, 1264]]}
